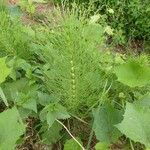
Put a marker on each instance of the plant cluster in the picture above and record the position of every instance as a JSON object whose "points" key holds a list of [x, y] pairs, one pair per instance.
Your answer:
{"points": [[129, 19], [62, 74]]}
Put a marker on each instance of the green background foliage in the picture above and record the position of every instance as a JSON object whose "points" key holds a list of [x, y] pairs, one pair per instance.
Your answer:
{"points": [[62, 69]]}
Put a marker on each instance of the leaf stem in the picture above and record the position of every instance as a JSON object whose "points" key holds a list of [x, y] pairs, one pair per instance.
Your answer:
{"points": [[2, 96], [131, 145], [81, 120], [70, 134], [90, 139]]}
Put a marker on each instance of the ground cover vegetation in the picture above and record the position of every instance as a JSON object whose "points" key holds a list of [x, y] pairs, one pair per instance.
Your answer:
{"points": [[65, 84]]}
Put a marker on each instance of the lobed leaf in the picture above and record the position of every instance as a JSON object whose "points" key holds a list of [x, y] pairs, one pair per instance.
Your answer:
{"points": [[133, 74], [105, 118], [52, 112], [136, 123]]}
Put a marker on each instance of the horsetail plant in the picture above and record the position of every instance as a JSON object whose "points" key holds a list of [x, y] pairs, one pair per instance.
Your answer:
{"points": [[72, 52]]}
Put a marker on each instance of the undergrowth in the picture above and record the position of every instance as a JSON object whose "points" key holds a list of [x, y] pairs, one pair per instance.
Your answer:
{"points": [[62, 72]]}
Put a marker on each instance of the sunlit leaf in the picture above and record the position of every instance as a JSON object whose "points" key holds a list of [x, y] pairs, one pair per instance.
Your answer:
{"points": [[4, 71], [133, 74], [72, 145], [136, 123], [101, 146], [11, 128]]}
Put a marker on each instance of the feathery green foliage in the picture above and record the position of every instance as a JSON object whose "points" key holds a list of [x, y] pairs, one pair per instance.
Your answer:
{"points": [[73, 70], [14, 37]]}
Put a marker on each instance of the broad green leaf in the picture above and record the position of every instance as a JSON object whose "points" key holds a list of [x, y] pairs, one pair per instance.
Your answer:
{"points": [[51, 135], [22, 93], [52, 112], [136, 123], [25, 66], [30, 104], [45, 99], [133, 74], [24, 113], [2, 95], [102, 146], [13, 89], [72, 145], [51, 117], [21, 64], [27, 100], [144, 101], [11, 128], [105, 119], [4, 71]]}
